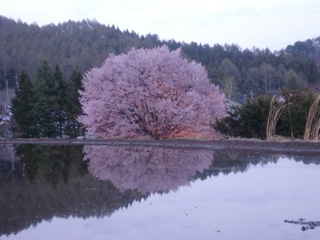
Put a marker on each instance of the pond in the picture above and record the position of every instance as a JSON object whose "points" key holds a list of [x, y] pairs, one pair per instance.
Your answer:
{"points": [[133, 192]]}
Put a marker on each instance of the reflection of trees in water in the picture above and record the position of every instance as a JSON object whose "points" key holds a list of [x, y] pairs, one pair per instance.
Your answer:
{"points": [[7, 161], [160, 170], [6, 152], [51, 161], [148, 169], [50, 192], [308, 159], [53, 181], [226, 162]]}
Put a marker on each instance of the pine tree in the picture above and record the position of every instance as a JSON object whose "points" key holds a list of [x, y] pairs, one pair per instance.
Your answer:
{"points": [[61, 95], [46, 104], [72, 104], [22, 106]]}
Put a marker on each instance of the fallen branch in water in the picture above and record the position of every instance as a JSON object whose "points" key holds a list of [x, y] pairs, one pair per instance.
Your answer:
{"points": [[306, 224]]}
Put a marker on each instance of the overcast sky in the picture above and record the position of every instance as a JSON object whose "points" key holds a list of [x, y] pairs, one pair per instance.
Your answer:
{"points": [[248, 23]]}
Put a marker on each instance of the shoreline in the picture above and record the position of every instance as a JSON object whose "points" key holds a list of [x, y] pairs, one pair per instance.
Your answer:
{"points": [[248, 145]]}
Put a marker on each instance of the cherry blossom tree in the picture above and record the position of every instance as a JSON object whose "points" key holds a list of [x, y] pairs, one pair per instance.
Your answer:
{"points": [[146, 169], [150, 94]]}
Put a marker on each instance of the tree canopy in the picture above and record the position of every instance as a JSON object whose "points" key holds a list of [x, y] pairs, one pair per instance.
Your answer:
{"points": [[42, 108], [150, 93], [85, 44]]}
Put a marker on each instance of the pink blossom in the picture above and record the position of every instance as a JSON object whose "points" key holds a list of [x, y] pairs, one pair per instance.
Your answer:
{"points": [[150, 94], [146, 169]]}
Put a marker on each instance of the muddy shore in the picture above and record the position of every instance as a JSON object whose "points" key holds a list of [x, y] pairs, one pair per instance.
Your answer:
{"points": [[248, 145]]}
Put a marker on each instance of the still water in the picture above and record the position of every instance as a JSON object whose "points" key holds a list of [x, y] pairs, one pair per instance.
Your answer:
{"points": [[103, 192]]}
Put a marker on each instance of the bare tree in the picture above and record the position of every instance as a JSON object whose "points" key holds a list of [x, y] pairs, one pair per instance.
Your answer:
{"points": [[229, 75]]}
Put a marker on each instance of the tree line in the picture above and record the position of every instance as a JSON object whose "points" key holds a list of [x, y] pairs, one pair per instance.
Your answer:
{"points": [[82, 45], [47, 106]]}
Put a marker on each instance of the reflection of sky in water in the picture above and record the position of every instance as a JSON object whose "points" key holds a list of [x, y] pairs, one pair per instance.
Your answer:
{"points": [[249, 205]]}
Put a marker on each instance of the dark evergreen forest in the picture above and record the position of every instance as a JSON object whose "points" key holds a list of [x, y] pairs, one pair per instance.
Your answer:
{"points": [[81, 45]]}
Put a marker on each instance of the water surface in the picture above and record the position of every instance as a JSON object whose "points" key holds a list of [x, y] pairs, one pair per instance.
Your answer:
{"points": [[100, 192]]}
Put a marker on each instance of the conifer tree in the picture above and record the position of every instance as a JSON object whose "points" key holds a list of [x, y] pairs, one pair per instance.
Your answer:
{"points": [[72, 104], [61, 95], [22, 106], [46, 104]]}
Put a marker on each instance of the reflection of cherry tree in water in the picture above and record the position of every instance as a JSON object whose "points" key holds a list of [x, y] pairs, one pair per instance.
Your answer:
{"points": [[146, 169]]}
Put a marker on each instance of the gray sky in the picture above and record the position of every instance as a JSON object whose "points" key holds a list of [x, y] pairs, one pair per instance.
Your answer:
{"points": [[248, 23]]}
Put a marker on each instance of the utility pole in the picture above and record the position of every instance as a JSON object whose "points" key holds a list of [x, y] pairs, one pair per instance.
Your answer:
{"points": [[7, 87], [7, 101], [7, 126], [251, 95]]}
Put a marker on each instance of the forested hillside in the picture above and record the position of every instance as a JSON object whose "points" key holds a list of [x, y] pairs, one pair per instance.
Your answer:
{"points": [[241, 73]]}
